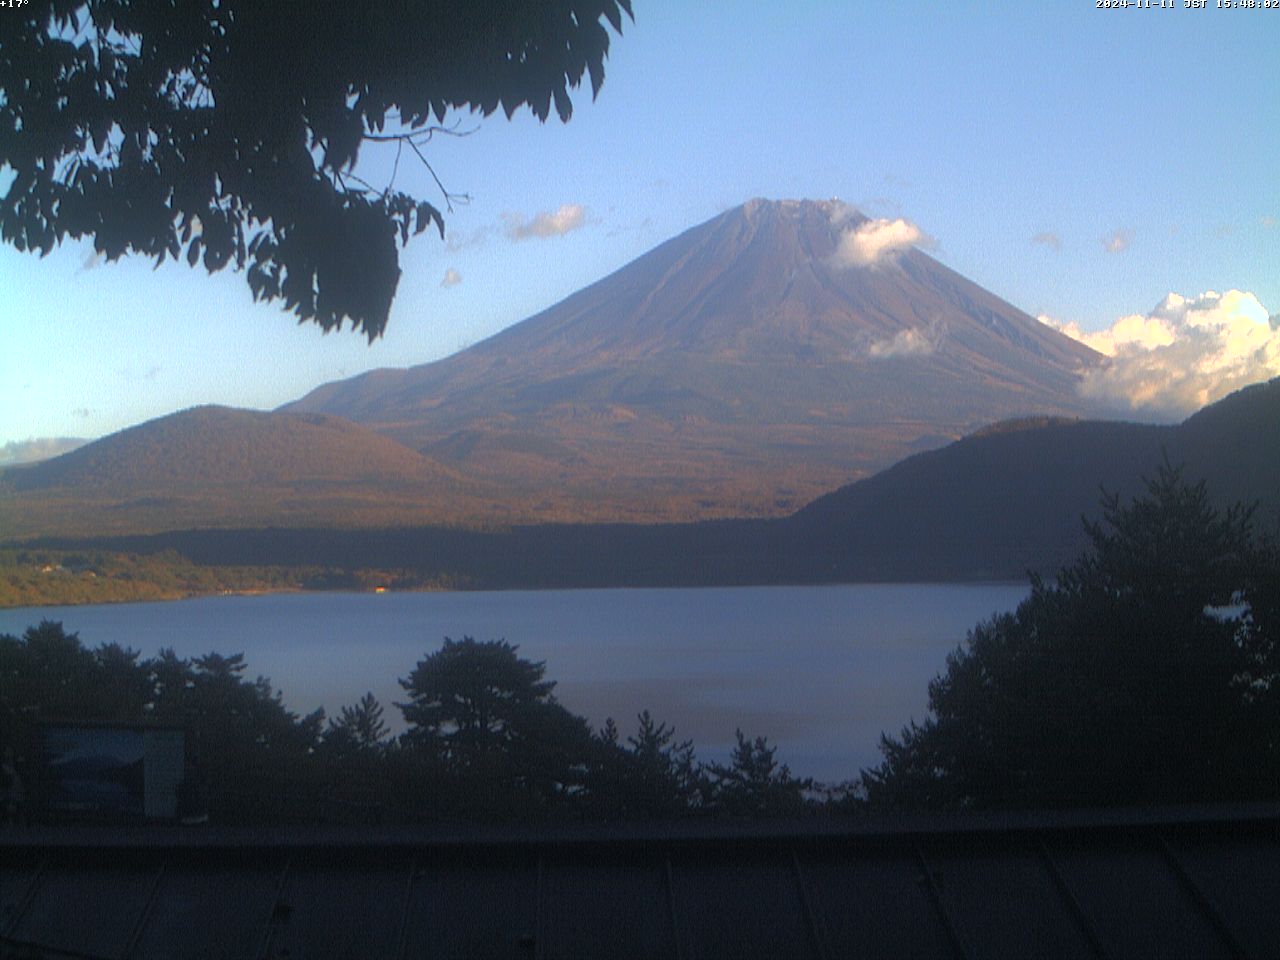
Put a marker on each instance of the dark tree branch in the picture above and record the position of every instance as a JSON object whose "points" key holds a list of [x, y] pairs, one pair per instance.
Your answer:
{"points": [[213, 109]]}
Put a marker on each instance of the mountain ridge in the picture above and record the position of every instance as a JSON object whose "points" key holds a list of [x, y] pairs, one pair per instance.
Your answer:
{"points": [[992, 506], [216, 466], [179, 443], [740, 369], [1015, 496], [738, 346]]}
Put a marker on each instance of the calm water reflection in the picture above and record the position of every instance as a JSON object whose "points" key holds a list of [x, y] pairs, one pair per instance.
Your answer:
{"points": [[821, 671]]}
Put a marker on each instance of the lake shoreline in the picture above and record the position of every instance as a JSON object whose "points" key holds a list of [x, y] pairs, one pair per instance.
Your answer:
{"points": [[178, 597]]}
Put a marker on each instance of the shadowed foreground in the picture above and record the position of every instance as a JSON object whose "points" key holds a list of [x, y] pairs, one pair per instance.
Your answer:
{"points": [[1157, 883]]}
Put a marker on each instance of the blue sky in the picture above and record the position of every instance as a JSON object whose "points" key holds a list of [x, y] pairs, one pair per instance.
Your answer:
{"points": [[1081, 163]]}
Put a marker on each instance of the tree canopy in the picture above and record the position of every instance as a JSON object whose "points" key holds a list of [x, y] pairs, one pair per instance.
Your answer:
{"points": [[1147, 672], [359, 728], [228, 131], [240, 729], [476, 703], [485, 740]]}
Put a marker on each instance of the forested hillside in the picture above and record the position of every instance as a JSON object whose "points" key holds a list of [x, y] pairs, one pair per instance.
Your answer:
{"points": [[1004, 502]]}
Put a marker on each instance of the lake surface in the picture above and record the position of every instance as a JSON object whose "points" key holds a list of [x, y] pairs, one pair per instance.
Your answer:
{"points": [[820, 671]]}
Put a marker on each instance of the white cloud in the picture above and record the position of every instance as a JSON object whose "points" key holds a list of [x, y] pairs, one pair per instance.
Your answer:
{"points": [[451, 278], [1117, 241], [1048, 239], [873, 241], [1182, 355], [554, 223], [911, 342]]}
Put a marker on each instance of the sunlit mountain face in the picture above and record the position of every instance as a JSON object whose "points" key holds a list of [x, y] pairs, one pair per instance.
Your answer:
{"points": [[739, 369]]}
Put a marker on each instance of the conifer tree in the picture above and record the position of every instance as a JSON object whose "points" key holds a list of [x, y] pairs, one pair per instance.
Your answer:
{"points": [[1146, 672]]}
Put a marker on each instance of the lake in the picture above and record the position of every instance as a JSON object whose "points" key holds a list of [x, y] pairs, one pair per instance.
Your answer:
{"points": [[820, 671]]}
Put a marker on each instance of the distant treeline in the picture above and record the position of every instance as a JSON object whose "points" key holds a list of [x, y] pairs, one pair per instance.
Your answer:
{"points": [[550, 556], [37, 576], [532, 557]]}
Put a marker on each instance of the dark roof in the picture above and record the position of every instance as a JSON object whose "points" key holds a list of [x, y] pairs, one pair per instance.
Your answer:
{"points": [[1197, 883]]}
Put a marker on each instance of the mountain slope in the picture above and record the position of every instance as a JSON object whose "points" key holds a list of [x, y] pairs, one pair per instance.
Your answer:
{"points": [[992, 506], [737, 369], [225, 445], [1006, 500], [219, 466]]}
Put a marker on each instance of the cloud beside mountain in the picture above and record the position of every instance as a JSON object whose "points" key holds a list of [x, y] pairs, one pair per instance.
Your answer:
{"points": [[1185, 353], [912, 342], [36, 449], [875, 241], [549, 223]]}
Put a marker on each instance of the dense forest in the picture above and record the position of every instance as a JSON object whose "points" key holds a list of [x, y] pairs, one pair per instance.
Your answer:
{"points": [[1147, 672]]}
